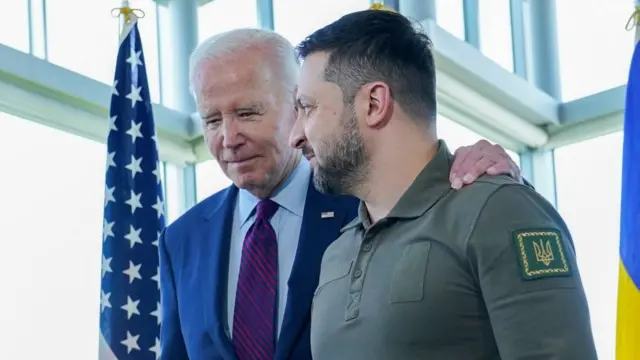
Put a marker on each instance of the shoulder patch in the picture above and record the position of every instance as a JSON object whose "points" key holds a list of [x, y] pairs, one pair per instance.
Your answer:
{"points": [[541, 253]]}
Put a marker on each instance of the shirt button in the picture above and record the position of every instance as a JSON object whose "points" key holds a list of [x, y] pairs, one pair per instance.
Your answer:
{"points": [[367, 247], [357, 273]]}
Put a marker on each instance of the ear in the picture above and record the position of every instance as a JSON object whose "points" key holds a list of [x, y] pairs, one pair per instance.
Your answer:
{"points": [[379, 104]]}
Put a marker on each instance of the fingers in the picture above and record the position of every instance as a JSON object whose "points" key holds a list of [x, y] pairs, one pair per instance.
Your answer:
{"points": [[460, 156], [477, 170], [504, 164], [465, 166], [501, 167], [506, 167], [473, 161], [462, 164]]}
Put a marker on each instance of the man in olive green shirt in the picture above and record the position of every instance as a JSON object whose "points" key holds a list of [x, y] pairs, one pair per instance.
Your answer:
{"points": [[424, 272]]}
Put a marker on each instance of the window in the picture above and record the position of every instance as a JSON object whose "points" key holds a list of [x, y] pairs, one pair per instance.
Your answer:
{"points": [[495, 32], [296, 19], [52, 206], [85, 39], [594, 47], [224, 15], [14, 25], [450, 16], [589, 201], [52, 220], [209, 179], [171, 177], [457, 135]]}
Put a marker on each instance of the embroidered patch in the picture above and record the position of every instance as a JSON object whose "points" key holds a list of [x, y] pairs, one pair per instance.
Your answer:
{"points": [[541, 253]]}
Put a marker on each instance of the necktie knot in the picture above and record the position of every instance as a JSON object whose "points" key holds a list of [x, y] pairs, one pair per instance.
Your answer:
{"points": [[266, 209]]}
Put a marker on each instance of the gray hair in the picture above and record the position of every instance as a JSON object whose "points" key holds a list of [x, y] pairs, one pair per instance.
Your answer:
{"points": [[281, 57]]}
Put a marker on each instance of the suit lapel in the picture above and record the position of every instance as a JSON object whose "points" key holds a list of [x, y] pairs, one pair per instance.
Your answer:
{"points": [[322, 219], [218, 232]]}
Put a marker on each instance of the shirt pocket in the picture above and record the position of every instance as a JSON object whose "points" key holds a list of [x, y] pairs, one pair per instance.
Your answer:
{"points": [[407, 284], [331, 273]]}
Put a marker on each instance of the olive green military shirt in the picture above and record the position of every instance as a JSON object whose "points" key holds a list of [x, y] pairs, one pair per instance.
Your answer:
{"points": [[485, 272]]}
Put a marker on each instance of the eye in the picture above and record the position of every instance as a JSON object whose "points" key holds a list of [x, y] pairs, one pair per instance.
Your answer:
{"points": [[210, 122], [246, 114], [305, 108]]}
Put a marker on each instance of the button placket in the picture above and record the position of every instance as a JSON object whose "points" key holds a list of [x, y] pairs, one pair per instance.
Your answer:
{"points": [[357, 278]]}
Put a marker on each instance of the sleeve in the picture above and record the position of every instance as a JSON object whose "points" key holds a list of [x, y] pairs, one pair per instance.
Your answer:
{"points": [[171, 340], [524, 260]]}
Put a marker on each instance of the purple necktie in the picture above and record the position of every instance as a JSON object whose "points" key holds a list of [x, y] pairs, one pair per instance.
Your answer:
{"points": [[255, 312]]}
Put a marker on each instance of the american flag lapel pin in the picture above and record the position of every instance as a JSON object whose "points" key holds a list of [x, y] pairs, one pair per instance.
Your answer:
{"points": [[326, 215]]}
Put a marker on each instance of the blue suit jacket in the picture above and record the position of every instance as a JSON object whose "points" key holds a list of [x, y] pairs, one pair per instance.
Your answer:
{"points": [[194, 261]]}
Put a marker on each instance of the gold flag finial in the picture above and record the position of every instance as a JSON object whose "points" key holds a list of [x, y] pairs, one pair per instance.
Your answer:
{"points": [[634, 21], [379, 6], [127, 12]]}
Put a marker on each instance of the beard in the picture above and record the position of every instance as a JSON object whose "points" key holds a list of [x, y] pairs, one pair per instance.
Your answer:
{"points": [[345, 165]]}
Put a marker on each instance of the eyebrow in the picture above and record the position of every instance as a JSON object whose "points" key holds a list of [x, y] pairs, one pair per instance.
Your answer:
{"points": [[255, 107]]}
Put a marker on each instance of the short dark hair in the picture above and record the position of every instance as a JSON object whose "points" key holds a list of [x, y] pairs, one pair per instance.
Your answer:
{"points": [[377, 45]]}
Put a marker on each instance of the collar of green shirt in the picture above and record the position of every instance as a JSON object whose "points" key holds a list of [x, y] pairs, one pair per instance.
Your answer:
{"points": [[429, 186]]}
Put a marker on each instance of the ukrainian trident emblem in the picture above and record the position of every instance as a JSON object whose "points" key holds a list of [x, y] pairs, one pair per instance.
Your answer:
{"points": [[543, 251]]}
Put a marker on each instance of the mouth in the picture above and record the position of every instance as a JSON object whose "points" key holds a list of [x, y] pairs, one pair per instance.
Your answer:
{"points": [[242, 161]]}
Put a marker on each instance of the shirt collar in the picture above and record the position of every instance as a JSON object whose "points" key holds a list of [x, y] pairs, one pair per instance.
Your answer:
{"points": [[290, 195], [428, 187]]}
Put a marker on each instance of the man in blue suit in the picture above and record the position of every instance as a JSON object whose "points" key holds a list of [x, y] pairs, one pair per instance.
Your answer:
{"points": [[238, 271]]}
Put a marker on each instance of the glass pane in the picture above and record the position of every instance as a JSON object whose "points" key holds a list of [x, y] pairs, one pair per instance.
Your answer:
{"points": [[457, 135], [224, 15], [495, 32], [52, 209], [209, 179], [588, 181], [296, 19], [85, 38], [173, 191], [450, 16], [14, 24], [594, 47]]}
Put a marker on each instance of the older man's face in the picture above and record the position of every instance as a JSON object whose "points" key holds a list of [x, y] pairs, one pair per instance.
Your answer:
{"points": [[247, 119]]}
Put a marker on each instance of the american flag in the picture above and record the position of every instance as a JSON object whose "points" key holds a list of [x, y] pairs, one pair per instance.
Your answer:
{"points": [[133, 215]]}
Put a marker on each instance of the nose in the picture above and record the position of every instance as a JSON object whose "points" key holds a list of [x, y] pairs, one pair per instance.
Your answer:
{"points": [[297, 139], [231, 137]]}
